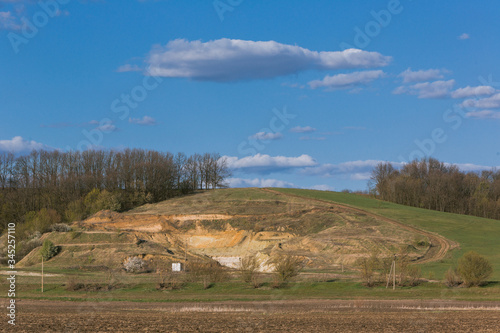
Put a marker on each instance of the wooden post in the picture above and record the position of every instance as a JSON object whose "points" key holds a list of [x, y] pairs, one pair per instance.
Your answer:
{"points": [[185, 253], [389, 277], [394, 276], [42, 273]]}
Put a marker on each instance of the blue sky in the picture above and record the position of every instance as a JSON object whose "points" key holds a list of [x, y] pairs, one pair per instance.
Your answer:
{"points": [[299, 93]]}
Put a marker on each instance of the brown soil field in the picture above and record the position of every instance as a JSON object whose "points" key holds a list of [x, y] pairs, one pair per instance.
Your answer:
{"points": [[269, 316]]}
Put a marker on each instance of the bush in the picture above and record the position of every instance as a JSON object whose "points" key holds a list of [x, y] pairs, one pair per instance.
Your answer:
{"points": [[60, 227], [37, 222], [75, 211], [249, 270], [25, 247], [73, 284], [97, 200], [49, 250], [414, 275], [368, 267], [474, 269], [208, 273], [285, 268], [451, 278], [170, 281], [134, 264]]}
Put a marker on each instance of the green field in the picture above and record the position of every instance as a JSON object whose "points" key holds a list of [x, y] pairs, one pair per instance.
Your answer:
{"points": [[472, 233], [143, 289]]}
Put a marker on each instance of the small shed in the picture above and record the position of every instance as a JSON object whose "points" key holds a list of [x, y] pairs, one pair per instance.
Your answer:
{"points": [[177, 267]]}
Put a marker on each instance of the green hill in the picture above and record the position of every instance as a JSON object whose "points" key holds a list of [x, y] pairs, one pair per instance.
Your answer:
{"points": [[470, 232], [328, 229]]}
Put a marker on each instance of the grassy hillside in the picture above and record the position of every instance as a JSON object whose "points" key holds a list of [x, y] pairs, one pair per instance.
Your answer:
{"points": [[472, 233], [232, 223]]}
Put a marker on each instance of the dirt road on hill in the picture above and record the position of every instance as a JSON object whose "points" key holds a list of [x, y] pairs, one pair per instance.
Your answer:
{"points": [[439, 244]]}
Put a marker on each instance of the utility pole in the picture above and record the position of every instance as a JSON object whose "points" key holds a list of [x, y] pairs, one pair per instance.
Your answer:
{"points": [[393, 274], [185, 252], [42, 273]]}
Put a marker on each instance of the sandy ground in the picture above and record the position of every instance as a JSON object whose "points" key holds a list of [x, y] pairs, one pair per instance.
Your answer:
{"points": [[269, 316]]}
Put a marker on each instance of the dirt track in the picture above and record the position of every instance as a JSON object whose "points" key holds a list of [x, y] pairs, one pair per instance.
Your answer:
{"points": [[270, 316], [443, 245]]}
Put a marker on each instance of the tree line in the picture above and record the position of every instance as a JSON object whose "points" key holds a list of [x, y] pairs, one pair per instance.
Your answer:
{"points": [[431, 184], [58, 186]]}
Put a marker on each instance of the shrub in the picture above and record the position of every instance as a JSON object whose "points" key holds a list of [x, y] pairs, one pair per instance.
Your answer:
{"points": [[368, 267], [451, 278], [414, 275], [285, 268], [97, 200], [25, 247], [248, 268], [73, 284], [49, 250], [170, 281], [134, 264], [38, 222], [208, 273], [60, 227], [75, 211], [474, 269]]}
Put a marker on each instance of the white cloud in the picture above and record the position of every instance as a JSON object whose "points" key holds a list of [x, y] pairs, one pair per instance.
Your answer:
{"points": [[258, 182], [107, 128], [266, 136], [305, 129], [146, 121], [234, 59], [354, 169], [492, 102], [321, 187], [8, 21], [436, 89], [346, 81], [260, 163], [421, 75], [19, 145], [361, 176], [464, 36], [400, 90], [473, 91], [484, 114], [472, 167]]}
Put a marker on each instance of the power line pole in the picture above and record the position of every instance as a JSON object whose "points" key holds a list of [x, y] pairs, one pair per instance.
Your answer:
{"points": [[185, 253], [42, 273], [394, 276], [392, 273]]}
